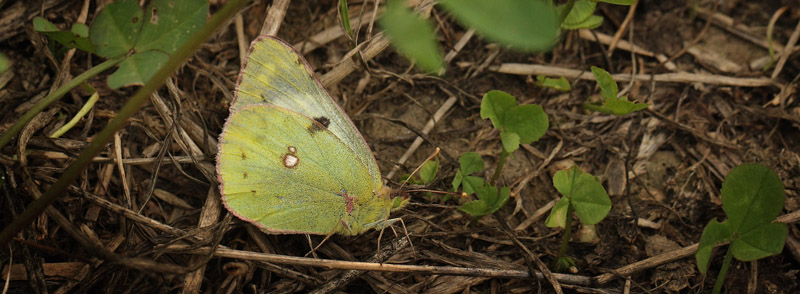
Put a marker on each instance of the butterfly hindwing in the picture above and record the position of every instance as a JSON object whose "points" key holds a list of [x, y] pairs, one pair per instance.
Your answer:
{"points": [[286, 173]]}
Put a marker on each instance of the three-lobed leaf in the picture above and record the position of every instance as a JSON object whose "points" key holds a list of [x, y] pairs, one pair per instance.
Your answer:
{"points": [[169, 23], [494, 106], [584, 193], [470, 163], [412, 36], [116, 28], [529, 25], [752, 197], [123, 27], [518, 123]]}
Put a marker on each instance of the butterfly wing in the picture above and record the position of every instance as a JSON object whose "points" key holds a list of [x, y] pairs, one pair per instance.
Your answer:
{"points": [[276, 74], [286, 173]]}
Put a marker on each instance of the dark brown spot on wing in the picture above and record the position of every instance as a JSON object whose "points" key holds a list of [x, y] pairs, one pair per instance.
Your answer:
{"points": [[324, 121], [320, 123], [244, 156], [244, 175]]}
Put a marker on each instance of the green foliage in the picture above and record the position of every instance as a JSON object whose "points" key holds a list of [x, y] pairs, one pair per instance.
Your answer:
{"points": [[151, 35], [528, 25], [412, 36], [489, 201], [752, 197], [427, 173], [77, 37], [581, 16], [608, 91], [583, 193], [344, 18], [470, 163], [619, 2], [517, 123], [560, 84], [5, 63]]}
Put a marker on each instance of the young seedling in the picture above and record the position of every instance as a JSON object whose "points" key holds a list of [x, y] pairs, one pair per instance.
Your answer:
{"points": [[518, 124], [611, 103], [488, 199], [77, 37], [583, 195], [752, 197]]}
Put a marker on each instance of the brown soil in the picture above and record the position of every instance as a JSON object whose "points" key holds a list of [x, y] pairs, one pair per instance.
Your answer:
{"points": [[676, 154]]}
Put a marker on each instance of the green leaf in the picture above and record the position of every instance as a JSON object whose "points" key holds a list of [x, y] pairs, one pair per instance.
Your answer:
{"points": [[471, 183], [80, 30], [494, 106], [137, 69], [619, 2], [713, 234], [585, 193], [761, 242], [560, 84], [608, 87], [77, 38], [581, 11], [344, 18], [470, 163], [593, 21], [116, 27], [617, 106], [510, 141], [501, 199], [169, 23], [528, 121], [487, 194], [427, 173], [752, 195], [529, 25], [558, 214], [475, 208], [5, 63], [412, 36], [457, 179]]}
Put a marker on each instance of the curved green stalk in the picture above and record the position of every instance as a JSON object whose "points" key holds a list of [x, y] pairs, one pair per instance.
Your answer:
{"points": [[75, 119], [723, 272], [567, 232], [499, 168], [54, 96], [73, 171]]}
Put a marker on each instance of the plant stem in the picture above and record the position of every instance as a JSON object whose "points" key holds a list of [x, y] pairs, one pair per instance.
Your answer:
{"points": [[499, 168], [565, 12], [98, 143], [567, 233], [723, 272], [55, 95]]}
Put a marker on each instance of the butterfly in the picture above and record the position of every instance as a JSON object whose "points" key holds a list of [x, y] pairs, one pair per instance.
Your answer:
{"points": [[290, 160]]}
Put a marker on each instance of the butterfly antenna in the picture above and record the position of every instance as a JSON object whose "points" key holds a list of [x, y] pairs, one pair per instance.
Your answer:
{"points": [[435, 152], [462, 194]]}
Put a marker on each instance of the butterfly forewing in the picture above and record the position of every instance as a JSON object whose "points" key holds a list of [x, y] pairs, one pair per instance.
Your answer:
{"points": [[276, 74]]}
